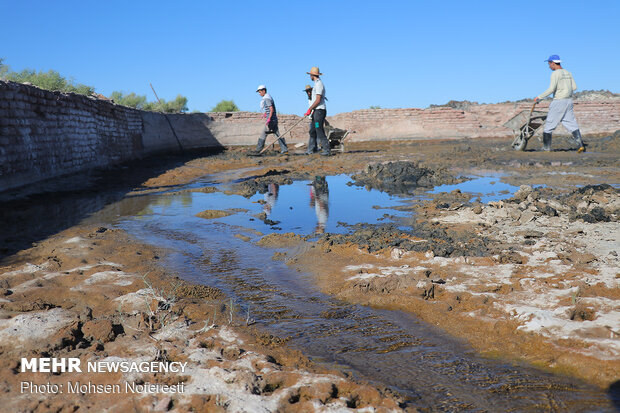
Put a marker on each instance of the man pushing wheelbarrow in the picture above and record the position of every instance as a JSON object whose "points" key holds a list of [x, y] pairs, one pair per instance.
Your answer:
{"points": [[560, 110]]}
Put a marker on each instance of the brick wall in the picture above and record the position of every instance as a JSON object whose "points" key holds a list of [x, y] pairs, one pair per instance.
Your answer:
{"points": [[474, 122], [45, 134]]}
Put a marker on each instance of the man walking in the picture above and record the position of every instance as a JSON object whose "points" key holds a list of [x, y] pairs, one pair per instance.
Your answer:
{"points": [[268, 107], [561, 109], [318, 111]]}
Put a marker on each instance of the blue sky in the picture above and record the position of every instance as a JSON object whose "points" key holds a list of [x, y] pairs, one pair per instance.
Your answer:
{"points": [[384, 53]]}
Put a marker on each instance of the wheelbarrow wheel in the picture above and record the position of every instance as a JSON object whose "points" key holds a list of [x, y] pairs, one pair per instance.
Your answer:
{"points": [[520, 143]]}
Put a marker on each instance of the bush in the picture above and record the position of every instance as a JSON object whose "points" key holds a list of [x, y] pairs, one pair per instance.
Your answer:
{"points": [[50, 80], [179, 104], [139, 102], [225, 106], [132, 100]]}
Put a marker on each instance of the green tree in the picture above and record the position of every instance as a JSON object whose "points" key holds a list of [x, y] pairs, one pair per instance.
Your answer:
{"points": [[132, 100], [179, 104], [225, 106], [375, 107], [3, 68], [50, 80]]}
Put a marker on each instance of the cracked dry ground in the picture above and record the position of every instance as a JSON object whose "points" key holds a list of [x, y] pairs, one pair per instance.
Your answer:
{"points": [[533, 278]]}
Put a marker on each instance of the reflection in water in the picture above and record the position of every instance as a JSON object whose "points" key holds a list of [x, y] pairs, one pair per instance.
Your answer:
{"points": [[271, 196], [319, 200]]}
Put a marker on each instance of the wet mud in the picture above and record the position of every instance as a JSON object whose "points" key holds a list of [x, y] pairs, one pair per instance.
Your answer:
{"points": [[402, 177]]}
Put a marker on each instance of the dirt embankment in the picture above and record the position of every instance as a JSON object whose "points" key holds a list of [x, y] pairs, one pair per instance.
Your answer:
{"points": [[97, 295]]}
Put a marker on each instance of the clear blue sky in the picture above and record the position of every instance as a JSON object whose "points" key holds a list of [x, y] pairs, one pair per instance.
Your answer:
{"points": [[386, 53]]}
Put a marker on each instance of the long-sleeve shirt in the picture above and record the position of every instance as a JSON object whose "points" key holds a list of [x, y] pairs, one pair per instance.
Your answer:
{"points": [[562, 85]]}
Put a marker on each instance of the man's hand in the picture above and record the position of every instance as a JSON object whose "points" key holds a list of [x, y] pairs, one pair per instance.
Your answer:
{"points": [[308, 112], [536, 99]]}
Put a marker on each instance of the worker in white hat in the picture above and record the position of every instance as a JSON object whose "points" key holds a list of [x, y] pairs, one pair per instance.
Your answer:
{"points": [[268, 107], [561, 108], [318, 111]]}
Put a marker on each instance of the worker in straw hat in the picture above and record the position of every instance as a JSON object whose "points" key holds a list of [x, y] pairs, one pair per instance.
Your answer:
{"points": [[318, 111], [561, 109], [268, 107]]}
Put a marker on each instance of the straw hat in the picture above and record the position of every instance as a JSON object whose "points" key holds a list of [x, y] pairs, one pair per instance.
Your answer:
{"points": [[315, 71], [307, 88]]}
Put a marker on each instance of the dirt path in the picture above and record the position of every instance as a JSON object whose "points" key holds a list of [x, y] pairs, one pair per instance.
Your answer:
{"points": [[532, 278]]}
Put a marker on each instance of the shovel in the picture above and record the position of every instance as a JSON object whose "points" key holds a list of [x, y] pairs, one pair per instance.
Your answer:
{"points": [[282, 135]]}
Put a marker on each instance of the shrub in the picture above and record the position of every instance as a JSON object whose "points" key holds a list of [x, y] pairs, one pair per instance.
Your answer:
{"points": [[132, 100], [225, 106], [179, 104], [50, 80]]}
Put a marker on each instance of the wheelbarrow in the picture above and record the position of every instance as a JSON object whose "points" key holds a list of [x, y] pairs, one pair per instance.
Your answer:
{"points": [[524, 126], [336, 137]]}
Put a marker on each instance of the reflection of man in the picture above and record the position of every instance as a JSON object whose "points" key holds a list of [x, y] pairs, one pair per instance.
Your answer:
{"points": [[319, 199], [271, 197]]}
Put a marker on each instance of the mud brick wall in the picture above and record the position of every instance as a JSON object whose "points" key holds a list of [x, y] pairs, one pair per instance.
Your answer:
{"points": [[45, 134], [244, 128], [475, 121]]}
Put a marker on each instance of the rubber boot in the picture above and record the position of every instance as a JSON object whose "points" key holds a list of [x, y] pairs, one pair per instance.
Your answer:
{"points": [[283, 147], [312, 148], [546, 142], [579, 141], [260, 145]]}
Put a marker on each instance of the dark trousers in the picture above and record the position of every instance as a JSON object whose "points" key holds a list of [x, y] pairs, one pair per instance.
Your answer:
{"points": [[317, 131]]}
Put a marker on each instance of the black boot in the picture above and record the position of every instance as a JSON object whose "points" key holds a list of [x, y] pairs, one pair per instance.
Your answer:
{"points": [[579, 141], [546, 141]]}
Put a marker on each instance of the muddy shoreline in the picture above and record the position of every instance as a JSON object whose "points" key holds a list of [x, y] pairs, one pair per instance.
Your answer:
{"points": [[562, 231]]}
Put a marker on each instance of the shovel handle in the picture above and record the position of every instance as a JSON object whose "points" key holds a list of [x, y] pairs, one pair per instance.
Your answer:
{"points": [[282, 135]]}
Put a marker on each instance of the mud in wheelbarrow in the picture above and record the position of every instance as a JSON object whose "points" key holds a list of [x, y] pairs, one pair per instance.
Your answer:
{"points": [[524, 126]]}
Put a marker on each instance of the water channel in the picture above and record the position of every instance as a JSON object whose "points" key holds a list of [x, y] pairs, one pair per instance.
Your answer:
{"points": [[432, 370]]}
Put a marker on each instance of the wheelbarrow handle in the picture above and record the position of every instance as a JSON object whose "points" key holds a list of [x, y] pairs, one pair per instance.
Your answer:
{"points": [[529, 117]]}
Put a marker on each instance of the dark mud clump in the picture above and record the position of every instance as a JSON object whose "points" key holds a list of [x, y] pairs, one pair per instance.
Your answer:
{"points": [[260, 184], [610, 143], [594, 203], [443, 242], [402, 177], [590, 203]]}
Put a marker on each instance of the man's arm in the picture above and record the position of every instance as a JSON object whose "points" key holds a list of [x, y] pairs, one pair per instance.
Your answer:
{"points": [[552, 87], [315, 103], [270, 114]]}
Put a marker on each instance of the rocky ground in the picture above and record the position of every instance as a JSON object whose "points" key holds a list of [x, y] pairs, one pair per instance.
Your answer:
{"points": [[534, 277]]}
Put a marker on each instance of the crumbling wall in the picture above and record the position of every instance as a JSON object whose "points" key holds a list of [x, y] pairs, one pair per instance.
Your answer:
{"points": [[45, 134], [475, 121]]}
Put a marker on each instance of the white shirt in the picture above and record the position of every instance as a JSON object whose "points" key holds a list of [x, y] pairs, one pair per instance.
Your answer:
{"points": [[319, 89]]}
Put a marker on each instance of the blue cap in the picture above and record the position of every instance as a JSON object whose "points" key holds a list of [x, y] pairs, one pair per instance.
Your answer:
{"points": [[554, 58]]}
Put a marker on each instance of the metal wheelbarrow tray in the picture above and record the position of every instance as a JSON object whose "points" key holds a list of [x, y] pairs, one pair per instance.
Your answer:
{"points": [[524, 125]]}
